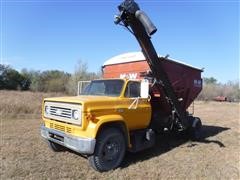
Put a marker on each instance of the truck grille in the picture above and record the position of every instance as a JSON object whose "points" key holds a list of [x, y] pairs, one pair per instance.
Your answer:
{"points": [[63, 112]]}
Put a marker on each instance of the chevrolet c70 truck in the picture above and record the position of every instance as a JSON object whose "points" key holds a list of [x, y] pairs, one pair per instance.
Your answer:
{"points": [[99, 123], [141, 94]]}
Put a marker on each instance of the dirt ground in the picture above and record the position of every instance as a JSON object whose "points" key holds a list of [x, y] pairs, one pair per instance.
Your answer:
{"points": [[24, 154]]}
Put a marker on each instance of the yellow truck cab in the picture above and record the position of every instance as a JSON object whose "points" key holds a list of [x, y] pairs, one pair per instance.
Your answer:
{"points": [[98, 122]]}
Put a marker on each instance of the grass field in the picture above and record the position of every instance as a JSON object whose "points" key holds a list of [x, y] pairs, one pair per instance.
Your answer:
{"points": [[24, 155]]}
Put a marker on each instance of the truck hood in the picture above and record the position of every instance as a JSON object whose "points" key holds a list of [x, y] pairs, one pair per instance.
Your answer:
{"points": [[90, 103], [82, 99]]}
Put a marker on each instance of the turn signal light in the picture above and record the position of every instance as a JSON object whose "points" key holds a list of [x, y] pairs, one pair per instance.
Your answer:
{"points": [[91, 117]]}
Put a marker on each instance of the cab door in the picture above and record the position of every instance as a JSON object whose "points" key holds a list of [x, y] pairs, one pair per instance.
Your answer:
{"points": [[136, 110]]}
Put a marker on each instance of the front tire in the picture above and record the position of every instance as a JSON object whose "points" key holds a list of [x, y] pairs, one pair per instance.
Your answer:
{"points": [[109, 151]]}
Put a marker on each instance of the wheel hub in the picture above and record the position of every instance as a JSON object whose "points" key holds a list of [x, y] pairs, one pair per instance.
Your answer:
{"points": [[111, 151]]}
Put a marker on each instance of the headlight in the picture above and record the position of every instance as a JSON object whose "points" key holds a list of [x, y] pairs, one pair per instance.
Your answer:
{"points": [[47, 109], [75, 114]]}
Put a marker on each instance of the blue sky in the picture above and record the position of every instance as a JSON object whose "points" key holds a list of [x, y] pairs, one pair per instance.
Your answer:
{"points": [[53, 34]]}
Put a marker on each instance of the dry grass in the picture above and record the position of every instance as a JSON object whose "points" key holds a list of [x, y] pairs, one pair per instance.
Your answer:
{"points": [[24, 155], [21, 104]]}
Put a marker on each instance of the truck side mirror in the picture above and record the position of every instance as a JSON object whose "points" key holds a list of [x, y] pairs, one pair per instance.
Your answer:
{"points": [[144, 92]]}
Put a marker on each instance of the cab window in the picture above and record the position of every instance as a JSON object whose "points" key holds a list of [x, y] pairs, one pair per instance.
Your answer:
{"points": [[104, 88], [133, 89]]}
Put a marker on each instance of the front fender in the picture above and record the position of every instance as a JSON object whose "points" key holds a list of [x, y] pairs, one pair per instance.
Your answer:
{"points": [[94, 127]]}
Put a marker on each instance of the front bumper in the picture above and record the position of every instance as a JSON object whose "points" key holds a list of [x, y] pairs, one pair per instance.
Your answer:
{"points": [[81, 145]]}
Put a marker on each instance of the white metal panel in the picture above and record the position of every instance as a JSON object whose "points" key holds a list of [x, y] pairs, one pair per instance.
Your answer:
{"points": [[136, 56]]}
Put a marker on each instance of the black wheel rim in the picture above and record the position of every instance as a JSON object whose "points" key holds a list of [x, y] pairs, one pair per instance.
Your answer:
{"points": [[111, 150]]}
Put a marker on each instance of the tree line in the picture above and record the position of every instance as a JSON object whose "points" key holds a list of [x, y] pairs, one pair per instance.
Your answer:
{"points": [[12, 79], [60, 81], [44, 81], [212, 88]]}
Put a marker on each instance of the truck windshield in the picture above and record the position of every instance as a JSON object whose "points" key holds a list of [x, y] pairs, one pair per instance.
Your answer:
{"points": [[104, 88]]}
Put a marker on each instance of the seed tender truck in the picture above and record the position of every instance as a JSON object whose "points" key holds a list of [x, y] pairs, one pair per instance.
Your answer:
{"points": [[141, 94]]}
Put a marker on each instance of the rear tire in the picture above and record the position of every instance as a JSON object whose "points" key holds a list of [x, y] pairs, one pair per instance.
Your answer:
{"points": [[109, 151], [55, 147], [195, 131]]}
